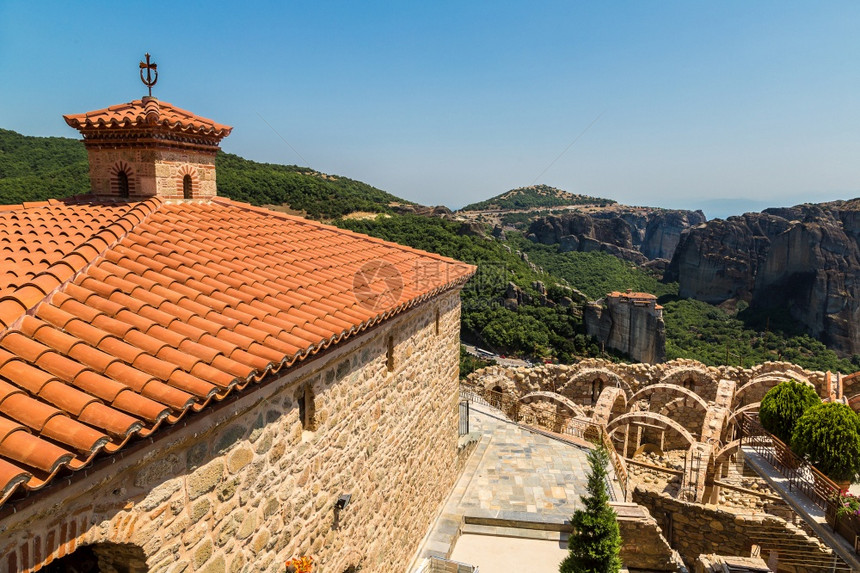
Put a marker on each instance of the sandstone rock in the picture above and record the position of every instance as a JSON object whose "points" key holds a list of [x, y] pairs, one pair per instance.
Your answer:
{"points": [[634, 234], [805, 259]]}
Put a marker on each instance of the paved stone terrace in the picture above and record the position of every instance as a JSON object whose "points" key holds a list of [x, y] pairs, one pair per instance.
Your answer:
{"points": [[513, 474]]}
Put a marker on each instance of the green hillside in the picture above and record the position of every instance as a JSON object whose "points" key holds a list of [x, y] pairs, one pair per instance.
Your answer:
{"points": [[39, 168], [535, 196]]}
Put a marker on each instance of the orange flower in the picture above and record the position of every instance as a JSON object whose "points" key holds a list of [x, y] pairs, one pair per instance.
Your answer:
{"points": [[301, 564]]}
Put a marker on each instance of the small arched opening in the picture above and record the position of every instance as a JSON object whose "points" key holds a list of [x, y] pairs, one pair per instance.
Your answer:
{"points": [[101, 557], [122, 187], [187, 187]]}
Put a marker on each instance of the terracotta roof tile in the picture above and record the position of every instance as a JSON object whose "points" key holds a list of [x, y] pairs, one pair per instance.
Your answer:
{"points": [[139, 313], [147, 112]]}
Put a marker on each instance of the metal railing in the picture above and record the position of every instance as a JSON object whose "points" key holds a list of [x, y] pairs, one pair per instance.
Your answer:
{"points": [[463, 425], [801, 475], [551, 420], [441, 565]]}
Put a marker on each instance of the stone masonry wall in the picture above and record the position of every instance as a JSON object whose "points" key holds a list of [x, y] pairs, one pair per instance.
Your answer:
{"points": [[697, 529], [243, 486], [152, 172]]}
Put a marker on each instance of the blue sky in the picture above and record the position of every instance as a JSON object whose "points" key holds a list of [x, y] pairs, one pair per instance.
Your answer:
{"points": [[719, 105]]}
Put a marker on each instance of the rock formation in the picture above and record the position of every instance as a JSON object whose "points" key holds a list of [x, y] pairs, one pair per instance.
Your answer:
{"points": [[805, 259], [631, 323], [634, 234]]}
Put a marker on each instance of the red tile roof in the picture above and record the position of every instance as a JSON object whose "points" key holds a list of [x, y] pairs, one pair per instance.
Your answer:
{"points": [[118, 319], [147, 112]]}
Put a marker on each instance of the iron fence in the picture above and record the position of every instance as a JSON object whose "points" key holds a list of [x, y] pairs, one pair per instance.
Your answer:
{"points": [[463, 426]]}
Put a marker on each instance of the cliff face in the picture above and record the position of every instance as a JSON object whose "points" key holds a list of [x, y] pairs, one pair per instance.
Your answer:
{"points": [[805, 259], [633, 234], [631, 323]]}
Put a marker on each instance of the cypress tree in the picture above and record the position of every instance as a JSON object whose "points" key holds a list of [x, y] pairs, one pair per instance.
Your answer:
{"points": [[595, 543]]}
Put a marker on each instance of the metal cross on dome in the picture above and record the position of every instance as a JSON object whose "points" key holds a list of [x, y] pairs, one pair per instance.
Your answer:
{"points": [[150, 68]]}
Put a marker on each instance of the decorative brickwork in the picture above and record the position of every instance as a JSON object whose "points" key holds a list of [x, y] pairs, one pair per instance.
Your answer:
{"points": [[155, 144]]}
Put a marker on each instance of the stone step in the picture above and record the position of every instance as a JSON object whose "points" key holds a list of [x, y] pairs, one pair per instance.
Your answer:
{"points": [[516, 532]]}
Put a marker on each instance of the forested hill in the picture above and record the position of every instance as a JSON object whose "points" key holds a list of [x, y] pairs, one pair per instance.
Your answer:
{"points": [[39, 168], [535, 196]]}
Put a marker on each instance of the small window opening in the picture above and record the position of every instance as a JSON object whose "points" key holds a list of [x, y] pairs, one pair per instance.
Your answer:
{"points": [[437, 322], [689, 384], [186, 187], [122, 183], [389, 360], [596, 389], [306, 407]]}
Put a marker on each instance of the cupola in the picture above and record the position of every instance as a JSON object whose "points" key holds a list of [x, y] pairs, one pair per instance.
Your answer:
{"points": [[150, 148]]}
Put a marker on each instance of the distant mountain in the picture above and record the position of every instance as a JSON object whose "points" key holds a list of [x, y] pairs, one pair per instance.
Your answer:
{"points": [[39, 168], [535, 196]]}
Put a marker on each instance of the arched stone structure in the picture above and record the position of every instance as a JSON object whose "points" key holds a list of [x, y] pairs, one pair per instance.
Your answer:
{"points": [[714, 426], [687, 413], [695, 378], [755, 389], [497, 381], [671, 390], [104, 557], [854, 402], [650, 421], [557, 400], [586, 385], [611, 404]]}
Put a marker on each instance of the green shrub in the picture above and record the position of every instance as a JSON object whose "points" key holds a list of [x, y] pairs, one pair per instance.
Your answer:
{"points": [[596, 542], [783, 405], [828, 435]]}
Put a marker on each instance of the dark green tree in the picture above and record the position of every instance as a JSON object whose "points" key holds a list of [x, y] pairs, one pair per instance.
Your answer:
{"points": [[828, 435], [783, 406], [595, 543]]}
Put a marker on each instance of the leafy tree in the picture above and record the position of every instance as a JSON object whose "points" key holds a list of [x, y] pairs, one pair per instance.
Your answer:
{"points": [[596, 542], [828, 435], [783, 405]]}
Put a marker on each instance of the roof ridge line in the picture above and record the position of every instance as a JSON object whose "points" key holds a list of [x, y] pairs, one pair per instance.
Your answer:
{"points": [[249, 207], [27, 297]]}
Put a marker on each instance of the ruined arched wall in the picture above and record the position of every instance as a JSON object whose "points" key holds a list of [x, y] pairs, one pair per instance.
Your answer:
{"points": [[241, 484]]}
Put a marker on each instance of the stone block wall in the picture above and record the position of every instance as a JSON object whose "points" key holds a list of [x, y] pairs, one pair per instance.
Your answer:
{"points": [[695, 529], [246, 485]]}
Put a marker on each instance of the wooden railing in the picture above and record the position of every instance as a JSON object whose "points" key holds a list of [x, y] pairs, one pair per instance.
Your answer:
{"points": [[551, 420]]}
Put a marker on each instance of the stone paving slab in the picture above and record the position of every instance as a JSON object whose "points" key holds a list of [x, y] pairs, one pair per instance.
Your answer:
{"points": [[513, 474]]}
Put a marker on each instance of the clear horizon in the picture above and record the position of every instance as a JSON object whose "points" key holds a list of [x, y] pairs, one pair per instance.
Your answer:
{"points": [[670, 104]]}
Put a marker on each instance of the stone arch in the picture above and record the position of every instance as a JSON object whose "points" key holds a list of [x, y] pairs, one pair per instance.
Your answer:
{"points": [[653, 420], [733, 422], [686, 413], [122, 180], [558, 401], [854, 402], [755, 389], [582, 387], [694, 378], [498, 383], [611, 404], [188, 180], [727, 451], [714, 426], [100, 557], [670, 389]]}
